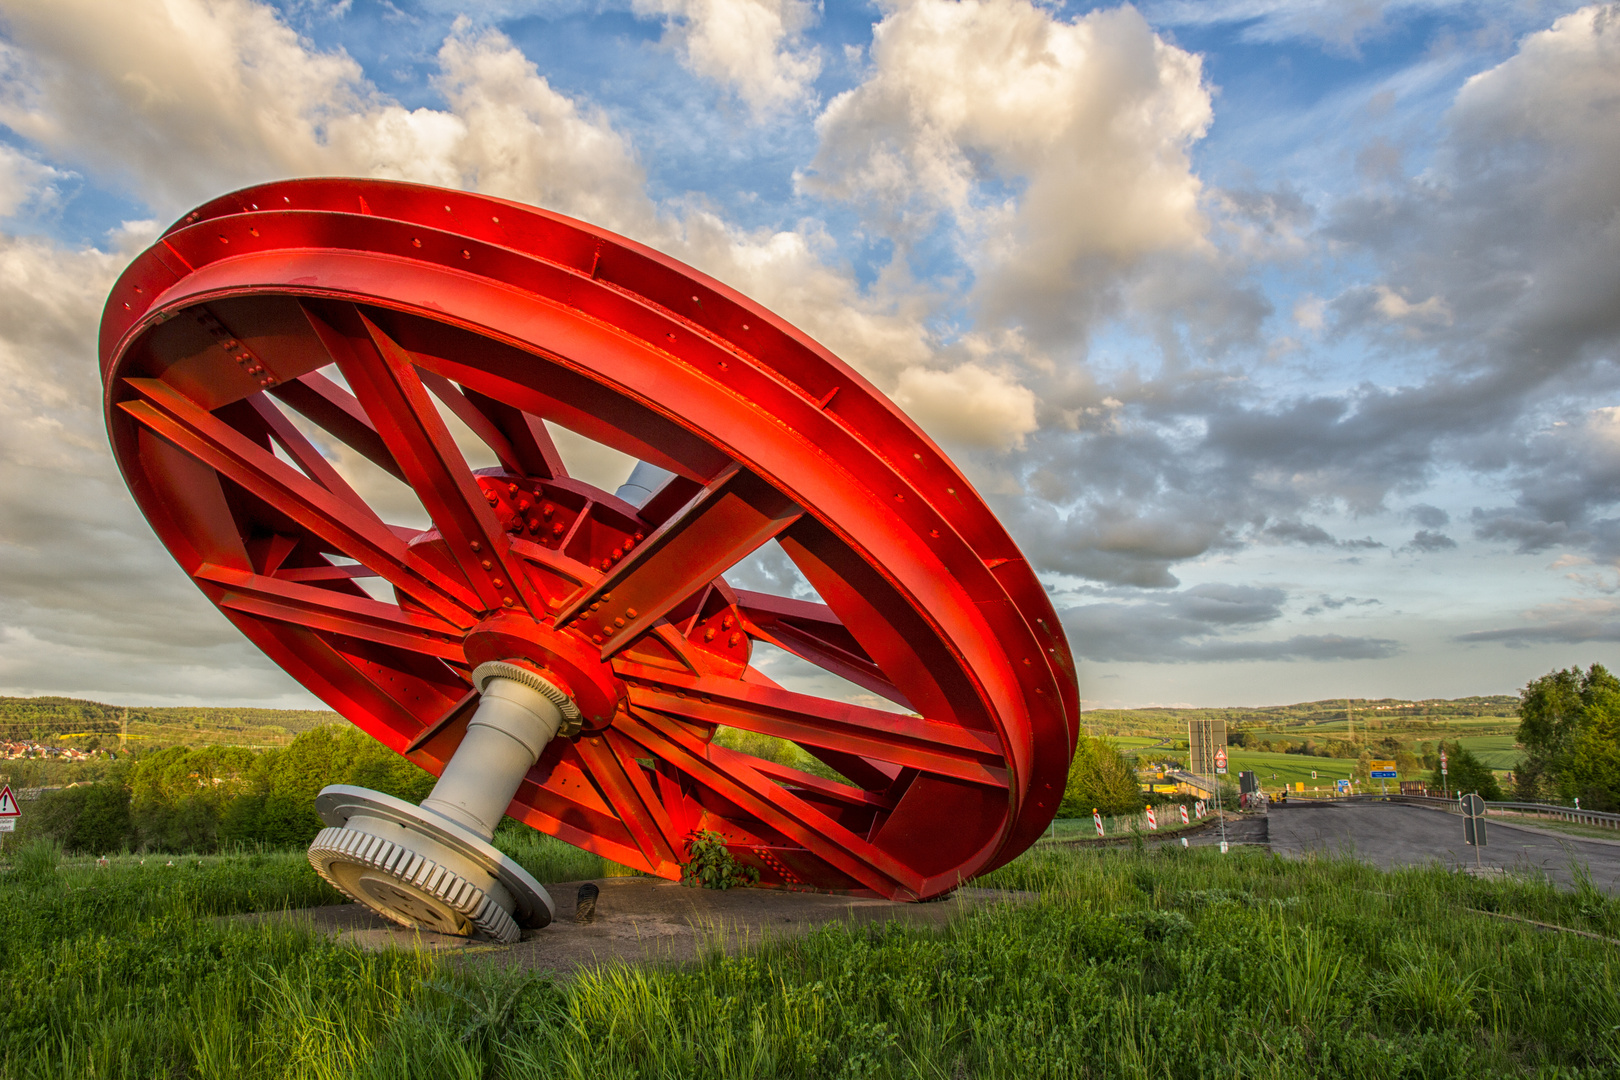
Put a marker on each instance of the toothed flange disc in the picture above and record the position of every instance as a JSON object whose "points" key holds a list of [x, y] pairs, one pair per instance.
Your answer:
{"points": [[420, 843], [407, 888]]}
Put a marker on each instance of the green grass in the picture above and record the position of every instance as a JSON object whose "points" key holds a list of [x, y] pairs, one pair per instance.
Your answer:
{"points": [[1493, 751], [1288, 767], [1570, 828], [1163, 963], [1084, 828], [1133, 742]]}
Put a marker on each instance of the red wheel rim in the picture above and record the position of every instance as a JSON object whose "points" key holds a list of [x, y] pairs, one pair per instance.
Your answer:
{"points": [[216, 338]]}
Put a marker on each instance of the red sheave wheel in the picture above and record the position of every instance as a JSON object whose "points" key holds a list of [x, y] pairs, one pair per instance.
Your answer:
{"points": [[371, 311]]}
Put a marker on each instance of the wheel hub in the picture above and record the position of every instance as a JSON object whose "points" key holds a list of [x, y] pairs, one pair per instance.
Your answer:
{"points": [[563, 656]]}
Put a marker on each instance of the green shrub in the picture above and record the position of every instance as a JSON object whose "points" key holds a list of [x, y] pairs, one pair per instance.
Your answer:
{"points": [[709, 864], [1100, 778]]}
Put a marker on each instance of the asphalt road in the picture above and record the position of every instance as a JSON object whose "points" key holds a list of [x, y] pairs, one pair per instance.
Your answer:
{"points": [[1389, 834]]}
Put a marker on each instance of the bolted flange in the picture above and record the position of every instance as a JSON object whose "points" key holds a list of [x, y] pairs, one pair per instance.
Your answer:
{"points": [[432, 867]]}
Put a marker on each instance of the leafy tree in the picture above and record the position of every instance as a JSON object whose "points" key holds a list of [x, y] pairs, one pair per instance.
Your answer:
{"points": [[1465, 773], [1100, 777], [1593, 774], [1568, 730]]}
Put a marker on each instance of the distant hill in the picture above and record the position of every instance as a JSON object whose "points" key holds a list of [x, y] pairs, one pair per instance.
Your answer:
{"points": [[1376, 713], [49, 718]]}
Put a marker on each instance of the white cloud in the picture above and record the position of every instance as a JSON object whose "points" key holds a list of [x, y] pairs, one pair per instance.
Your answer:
{"points": [[523, 140], [968, 405], [90, 602], [193, 97], [1310, 312], [1396, 308], [753, 46], [1339, 25], [1058, 149], [24, 179]]}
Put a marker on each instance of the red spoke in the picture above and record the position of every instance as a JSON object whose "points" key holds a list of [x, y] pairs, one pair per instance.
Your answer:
{"points": [[331, 612], [729, 519], [269, 553], [353, 530], [386, 382], [335, 409], [732, 776], [812, 632], [325, 573], [788, 776], [461, 712], [533, 452], [887, 625], [305, 454], [558, 798], [454, 400], [610, 762], [669, 500], [942, 749]]}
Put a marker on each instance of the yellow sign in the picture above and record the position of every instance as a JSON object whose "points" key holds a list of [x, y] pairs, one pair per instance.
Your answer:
{"points": [[1381, 766], [1298, 786]]}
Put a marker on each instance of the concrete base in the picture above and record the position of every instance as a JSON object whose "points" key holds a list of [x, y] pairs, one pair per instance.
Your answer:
{"points": [[646, 920]]}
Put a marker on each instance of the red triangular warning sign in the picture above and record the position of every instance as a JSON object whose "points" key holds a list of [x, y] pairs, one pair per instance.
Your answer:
{"points": [[8, 803]]}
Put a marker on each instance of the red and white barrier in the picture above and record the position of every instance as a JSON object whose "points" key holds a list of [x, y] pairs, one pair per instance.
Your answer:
{"points": [[1153, 822], [1184, 813], [1097, 818]]}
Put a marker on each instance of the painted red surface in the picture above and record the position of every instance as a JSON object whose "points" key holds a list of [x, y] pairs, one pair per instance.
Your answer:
{"points": [[276, 328]]}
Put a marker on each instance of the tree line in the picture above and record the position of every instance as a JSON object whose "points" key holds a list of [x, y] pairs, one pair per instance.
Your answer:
{"points": [[201, 800], [1569, 727]]}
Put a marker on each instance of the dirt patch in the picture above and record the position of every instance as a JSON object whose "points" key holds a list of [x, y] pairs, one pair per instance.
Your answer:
{"points": [[646, 920]]}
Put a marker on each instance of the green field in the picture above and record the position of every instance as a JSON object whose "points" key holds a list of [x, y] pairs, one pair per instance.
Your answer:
{"points": [[1495, 751], [1129, 743], [1163, 963], [1288, 768]]}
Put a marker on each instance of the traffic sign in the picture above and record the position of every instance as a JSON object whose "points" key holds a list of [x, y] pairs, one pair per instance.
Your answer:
{"points": [[8, 803], [1382, 770], [8, 824], [1473, 808], [1220, 759]]}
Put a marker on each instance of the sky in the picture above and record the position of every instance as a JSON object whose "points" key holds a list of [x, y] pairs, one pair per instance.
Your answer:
{"points": [[1283, 335]]}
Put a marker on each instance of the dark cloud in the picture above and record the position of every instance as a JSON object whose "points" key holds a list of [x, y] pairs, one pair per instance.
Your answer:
{"points": [[1426, 541], [1567, 631], [1202, 624], [1334, 603], [1298, 532], [1494, 285], [1430, 517]]}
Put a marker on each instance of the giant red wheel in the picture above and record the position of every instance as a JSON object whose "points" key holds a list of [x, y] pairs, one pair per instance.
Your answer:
{"points": [[358, 315]]}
